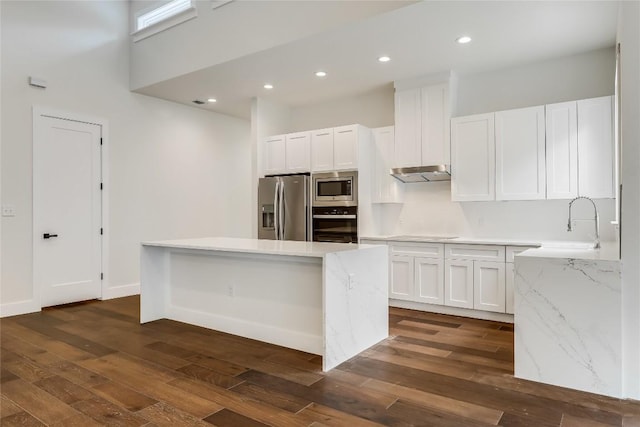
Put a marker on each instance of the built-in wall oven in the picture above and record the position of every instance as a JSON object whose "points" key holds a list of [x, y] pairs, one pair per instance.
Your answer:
{"points": [[335, 207], [335, 224]]}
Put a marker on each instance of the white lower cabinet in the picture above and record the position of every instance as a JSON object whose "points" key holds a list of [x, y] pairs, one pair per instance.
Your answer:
{"points": [[458, 283], [401, 277], [489, 286], [509, 273], [429, 280]]}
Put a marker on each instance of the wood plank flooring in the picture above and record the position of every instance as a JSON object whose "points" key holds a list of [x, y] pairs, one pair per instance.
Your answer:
{"points": [[92, 364]]}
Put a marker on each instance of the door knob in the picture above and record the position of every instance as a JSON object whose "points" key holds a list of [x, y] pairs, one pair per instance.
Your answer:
{"points": [[48, 236]]}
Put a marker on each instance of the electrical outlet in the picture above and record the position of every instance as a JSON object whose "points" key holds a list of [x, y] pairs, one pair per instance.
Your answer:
{"points": [[352, 280], [8, 210], [230, 290]]}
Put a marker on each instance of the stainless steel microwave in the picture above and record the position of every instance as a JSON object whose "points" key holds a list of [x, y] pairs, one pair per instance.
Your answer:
{"points": [[335, 188]]}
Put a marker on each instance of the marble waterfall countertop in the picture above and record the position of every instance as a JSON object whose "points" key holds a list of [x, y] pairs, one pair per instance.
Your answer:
{"points": [[257, 246], [540, 248]]}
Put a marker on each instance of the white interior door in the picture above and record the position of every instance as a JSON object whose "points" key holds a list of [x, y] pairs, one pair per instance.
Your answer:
{"points": [[66, 210]]}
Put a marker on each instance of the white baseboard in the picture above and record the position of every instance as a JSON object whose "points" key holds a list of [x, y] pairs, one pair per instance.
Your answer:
{"points": [[454, 311], [121, 291], [19, 307]]}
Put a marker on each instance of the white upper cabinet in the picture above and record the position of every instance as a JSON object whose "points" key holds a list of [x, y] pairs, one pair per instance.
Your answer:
{"points": [[436, 134], [520, 154], [422, 126], [274, 155], [322, 150], [408, 148], [335, 148], [562, 150], [595, 147], [580, 149], [298, 152], [473, 158], [386, 189], [345, 147]]}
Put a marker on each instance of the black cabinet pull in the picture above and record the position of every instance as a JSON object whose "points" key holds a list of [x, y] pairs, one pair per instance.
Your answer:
{"points": [[48, 236]]}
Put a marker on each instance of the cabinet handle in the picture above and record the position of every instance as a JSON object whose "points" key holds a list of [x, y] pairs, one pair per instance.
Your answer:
{"points": [[323, 134], [345, 131], [297, 137]]}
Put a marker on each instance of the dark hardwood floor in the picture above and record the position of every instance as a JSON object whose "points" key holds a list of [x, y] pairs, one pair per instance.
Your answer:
{"points": [[93, 364]]}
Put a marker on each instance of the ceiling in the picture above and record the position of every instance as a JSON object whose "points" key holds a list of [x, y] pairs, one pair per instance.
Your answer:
{"points": [[419, 38]]}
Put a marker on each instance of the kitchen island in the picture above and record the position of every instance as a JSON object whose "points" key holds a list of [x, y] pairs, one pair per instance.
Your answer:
{"points": [[567, 324], [329, 299]]}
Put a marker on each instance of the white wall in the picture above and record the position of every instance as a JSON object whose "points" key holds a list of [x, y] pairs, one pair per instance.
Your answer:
{"points": [[372, 109], [629, 39], [169, 164], [585, 75]]}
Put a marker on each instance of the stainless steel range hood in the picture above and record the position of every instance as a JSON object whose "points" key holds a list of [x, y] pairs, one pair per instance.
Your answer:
{"points": [[422, 173]]}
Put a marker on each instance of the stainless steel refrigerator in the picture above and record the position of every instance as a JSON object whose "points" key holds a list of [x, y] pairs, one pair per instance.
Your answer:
{"points": [[284, 208]]}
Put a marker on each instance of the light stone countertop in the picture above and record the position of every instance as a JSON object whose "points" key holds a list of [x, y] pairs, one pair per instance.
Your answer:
{"points": [[542, 248], [259, 246]]}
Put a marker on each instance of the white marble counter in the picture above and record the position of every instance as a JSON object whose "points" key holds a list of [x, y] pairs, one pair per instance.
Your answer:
{"points": [[541, 248], [567, 320], [329, 299], [257, 246]]}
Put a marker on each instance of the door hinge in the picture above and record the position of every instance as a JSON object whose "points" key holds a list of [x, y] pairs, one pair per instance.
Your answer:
{"points": [[101, 186], [100, 141], [101, 276], [100, 231]]}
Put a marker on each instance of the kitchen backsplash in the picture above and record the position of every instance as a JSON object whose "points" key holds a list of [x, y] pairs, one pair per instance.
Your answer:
{"points": [[428, 210]]}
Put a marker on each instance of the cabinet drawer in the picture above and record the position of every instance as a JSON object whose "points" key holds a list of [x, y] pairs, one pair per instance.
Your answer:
{"points": [[512, 251], [427, 250], [475, 252]]}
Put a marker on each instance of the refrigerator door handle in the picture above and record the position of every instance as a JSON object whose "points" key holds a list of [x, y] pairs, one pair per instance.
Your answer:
{"points": [[276, 223], [282, 210]]}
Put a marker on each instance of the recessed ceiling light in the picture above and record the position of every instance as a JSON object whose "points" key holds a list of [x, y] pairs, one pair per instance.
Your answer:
{"points": [[212, 100], [321, 74], [463, 39], [384, 59], [268, 86]]}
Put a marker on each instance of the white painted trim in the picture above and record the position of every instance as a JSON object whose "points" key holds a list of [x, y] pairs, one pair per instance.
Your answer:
{"points": [[39, 110], [19, 307], [453, 311], [120, 291]]}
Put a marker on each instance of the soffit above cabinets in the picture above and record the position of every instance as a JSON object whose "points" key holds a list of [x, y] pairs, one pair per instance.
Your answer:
{"points": [[419, 38]]}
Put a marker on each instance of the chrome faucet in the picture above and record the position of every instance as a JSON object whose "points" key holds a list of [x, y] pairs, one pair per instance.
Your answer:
{"points": [[596, 219]]}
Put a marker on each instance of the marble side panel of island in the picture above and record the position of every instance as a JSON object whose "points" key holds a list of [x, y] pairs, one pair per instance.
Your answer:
{"points": [[567, 323], [356, 302]]}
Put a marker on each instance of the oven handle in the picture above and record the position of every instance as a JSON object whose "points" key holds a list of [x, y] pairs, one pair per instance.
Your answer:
{"points": [[334, 217]]}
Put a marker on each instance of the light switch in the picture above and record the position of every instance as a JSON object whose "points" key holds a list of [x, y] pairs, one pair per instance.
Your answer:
{"points": [[8, 210]]}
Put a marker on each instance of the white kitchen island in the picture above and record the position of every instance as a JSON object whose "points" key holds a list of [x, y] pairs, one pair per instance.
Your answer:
{"points": [[329, 299]]}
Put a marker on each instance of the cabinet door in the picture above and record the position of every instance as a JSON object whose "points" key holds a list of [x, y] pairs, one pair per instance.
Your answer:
{"points": [[473, 158], [436, 118], [562, 150], [345, 147], [509, 287], [322, 150], [520, 161], [489, 286], [595, 147], [429, 280], [386, 189], [274, 155], [298, 152], [458, 283], [402, 277], [408, 147]]}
